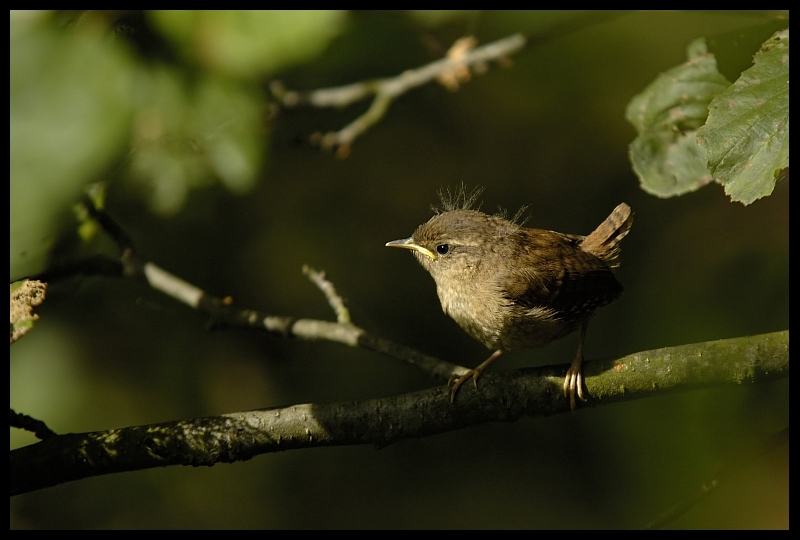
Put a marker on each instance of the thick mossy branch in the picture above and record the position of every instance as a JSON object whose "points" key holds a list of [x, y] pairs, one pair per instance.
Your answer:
{"points": [[503, 396]]}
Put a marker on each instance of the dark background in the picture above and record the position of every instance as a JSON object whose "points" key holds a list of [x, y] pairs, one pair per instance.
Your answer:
{"points": [[548, 132]]}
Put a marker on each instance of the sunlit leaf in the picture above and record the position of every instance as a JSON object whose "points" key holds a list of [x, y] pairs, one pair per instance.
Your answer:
{"points": [[667, 114], [747, 133]]}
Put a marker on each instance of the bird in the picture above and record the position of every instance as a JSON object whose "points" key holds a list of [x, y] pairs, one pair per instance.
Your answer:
{"points": [[511, 287]]}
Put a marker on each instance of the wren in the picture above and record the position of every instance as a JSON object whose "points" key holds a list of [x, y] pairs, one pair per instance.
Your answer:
{"points": [[512, 287]]}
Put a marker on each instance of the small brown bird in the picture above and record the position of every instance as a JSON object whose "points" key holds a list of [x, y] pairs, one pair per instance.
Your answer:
{"points": [[511, 287]]}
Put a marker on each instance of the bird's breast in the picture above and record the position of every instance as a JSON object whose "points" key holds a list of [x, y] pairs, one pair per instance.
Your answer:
{"points": [[474, 312], [498, 323]]}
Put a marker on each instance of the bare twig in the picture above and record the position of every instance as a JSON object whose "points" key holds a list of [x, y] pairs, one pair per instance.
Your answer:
{"points": [[224, 312], [327, 288], [451, 70], [37, 427]]}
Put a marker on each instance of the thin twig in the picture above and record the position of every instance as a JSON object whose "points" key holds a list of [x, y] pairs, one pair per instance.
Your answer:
{"points": [[28, 423], [449, 70], [327, 288], [224, 312]]}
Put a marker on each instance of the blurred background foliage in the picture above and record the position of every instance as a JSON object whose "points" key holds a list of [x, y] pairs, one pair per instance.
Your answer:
{"points": [[217, 184]]}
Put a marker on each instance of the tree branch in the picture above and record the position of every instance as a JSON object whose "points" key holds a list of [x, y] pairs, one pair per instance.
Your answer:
{"points": [[327, 288], [225, 313], [451, 70], [500, 397]]}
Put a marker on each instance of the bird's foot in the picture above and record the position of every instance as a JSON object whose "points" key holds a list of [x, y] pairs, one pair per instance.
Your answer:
{"points": [[573, 382], [471, 374], [458, 380]]}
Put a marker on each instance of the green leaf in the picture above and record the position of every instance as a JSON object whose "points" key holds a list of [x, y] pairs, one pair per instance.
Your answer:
{"points": [[70, 94], [190, 133], [666, 115], [250, 43], [747, 134]]}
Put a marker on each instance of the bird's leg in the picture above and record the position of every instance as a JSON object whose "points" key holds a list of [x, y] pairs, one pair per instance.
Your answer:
{"points": [[573, 382], [471, 374]]}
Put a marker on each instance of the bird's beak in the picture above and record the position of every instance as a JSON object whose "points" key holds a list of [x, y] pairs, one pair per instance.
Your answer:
{"points": [[408, 243]]}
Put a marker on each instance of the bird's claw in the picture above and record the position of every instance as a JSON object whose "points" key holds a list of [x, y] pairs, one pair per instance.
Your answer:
{"points": [[574, 384], [461, 379]]}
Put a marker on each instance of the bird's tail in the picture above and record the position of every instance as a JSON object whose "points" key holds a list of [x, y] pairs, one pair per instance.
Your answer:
{"points": [[605, 239]]}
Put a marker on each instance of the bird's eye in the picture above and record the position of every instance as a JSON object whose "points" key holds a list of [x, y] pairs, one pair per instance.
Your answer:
{"points": [[443, 249]]}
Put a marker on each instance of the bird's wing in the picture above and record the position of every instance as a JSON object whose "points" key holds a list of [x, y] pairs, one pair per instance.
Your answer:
{"points": [[550, 271]]}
